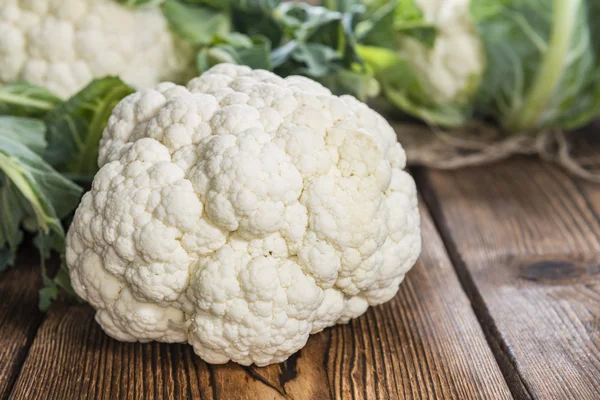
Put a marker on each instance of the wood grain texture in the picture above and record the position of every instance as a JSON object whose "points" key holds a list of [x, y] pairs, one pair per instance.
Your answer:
{"points": [[525, 239], [425, 343], [19, 316]]}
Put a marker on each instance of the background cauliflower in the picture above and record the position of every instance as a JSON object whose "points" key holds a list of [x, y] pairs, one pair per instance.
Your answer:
{"points": [[454, 66], [63, 44], [427, 56], [242, 213]]}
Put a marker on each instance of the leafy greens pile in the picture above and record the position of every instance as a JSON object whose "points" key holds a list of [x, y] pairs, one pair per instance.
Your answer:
{"points": [[283, 37], [526, 65], [543, 63], [46, 146]]}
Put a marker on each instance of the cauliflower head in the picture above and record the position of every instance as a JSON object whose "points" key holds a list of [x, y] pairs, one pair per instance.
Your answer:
{"points": [[453, 67], [240, 214], [63, 44]]}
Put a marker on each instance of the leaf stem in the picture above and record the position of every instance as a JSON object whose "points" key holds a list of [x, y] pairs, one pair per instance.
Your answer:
{"points": [[26, 102], [564, 19], [12, 170]]}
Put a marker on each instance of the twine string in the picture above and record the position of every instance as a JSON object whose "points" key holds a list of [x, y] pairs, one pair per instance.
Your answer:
{"points": [[479, 144]]}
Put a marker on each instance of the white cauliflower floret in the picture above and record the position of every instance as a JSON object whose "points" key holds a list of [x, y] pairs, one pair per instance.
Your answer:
{"points": [[241, 214], [63, 44], [251, 309], [245, 180]]}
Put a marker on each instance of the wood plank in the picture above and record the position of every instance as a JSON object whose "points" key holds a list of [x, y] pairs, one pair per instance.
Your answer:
{"points": [[525, 239], [19, 316], [425, 343]]}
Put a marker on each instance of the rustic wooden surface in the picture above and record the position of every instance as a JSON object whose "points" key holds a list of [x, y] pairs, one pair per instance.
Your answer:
{"points": [[19, 317], [525, 240], [513, 311]]}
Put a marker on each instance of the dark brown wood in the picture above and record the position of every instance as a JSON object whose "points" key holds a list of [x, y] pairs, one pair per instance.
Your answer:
{"points": [[525, 239], [425, 343], [19, 317]]}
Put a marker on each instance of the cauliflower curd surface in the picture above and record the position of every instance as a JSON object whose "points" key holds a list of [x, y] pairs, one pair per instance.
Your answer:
{"points": [[63, 44], [240, 214]]}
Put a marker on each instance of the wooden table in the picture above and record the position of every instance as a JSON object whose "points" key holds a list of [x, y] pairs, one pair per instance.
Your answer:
{"points": [[504, 302]]}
